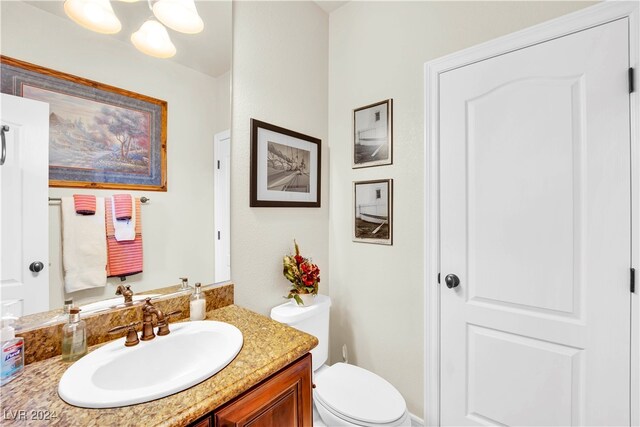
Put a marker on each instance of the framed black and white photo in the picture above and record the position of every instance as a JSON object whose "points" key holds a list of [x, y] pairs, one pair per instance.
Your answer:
{"points": [[285, 167], [373, 211], [373, 134]]}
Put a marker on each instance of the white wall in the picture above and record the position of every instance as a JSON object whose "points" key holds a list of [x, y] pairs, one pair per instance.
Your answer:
{"points": [[280, 52], [377, 50], [178, 224], [222, 117]]}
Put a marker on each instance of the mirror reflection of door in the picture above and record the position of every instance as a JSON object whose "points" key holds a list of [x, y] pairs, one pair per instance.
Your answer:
{"points": [[222, 206], [24, 184]]}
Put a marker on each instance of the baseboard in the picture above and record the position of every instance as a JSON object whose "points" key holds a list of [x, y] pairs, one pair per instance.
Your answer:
{"points": [[416, 421]]}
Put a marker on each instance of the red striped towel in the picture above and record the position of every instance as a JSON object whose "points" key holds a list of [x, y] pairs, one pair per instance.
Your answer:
{"points": [[84, 204], [122, 206], [123, 258]]}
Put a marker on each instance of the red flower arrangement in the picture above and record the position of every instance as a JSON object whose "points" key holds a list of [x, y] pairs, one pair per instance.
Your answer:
{"points": [[302, 273]]}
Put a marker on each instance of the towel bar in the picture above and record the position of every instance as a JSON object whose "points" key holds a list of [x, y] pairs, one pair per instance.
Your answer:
{"points": [[143, 199]]}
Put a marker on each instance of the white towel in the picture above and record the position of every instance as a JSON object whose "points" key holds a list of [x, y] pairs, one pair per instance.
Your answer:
{"points": [[84, 247], [124, 229]]}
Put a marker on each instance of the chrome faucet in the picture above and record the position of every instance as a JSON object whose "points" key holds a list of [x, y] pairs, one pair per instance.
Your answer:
{"points": [[126, 292]]}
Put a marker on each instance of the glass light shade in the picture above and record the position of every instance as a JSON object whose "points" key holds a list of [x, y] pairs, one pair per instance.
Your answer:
{"points": [[179, 15], [94, 15], [153, 39]]}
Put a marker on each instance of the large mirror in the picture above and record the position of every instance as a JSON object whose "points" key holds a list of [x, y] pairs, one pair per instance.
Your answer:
{"points": [[178, 232]]}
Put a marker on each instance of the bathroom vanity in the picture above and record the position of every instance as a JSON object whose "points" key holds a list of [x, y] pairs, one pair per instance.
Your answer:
{"points": [[268, 383], [284, 399]]}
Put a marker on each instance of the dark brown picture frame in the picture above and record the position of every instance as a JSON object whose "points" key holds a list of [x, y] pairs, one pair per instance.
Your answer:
{"points": [[372, 143], [112, 116], [285, 167], [373, 211]]}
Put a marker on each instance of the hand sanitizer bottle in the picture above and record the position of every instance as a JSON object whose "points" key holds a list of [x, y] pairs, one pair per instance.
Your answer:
{"points": [[197, 305], [12, 351], [74, 337]]}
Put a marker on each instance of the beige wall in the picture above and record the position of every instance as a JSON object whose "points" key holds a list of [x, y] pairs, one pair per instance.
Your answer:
{"points": [[377, 50], [222, 116], [178, 224], [280, 77]]}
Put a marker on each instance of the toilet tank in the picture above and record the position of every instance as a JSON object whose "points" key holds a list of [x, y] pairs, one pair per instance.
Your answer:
{"points": [[313, 320]]}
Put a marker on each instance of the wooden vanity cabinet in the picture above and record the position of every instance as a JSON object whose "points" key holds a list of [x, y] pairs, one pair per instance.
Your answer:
{"points": [[282, 400]]}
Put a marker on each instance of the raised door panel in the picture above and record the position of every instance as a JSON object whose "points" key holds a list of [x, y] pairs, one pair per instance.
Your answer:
{"points": [[205, 422], [282, 400], [525, 182], [498, 393]]}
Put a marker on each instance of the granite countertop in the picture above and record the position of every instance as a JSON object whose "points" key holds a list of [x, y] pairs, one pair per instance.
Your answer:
{"points": [[32, 398]]}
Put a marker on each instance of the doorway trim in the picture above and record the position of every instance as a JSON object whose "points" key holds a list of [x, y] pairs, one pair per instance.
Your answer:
{"points": [[583, 19]]}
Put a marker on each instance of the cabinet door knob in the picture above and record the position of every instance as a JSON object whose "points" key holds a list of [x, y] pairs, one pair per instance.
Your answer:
{"points": [[452, 281], [36, 266]]}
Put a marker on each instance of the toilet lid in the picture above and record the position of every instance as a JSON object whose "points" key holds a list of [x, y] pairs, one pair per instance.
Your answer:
{"points": [[359, 394]]}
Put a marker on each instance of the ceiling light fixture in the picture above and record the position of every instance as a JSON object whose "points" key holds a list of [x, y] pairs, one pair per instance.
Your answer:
{"points": [[152, 38], [179, 15], [95, 15]]}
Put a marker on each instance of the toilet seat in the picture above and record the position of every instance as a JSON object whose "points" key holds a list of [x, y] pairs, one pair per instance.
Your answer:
{"points": [[359, 397]]}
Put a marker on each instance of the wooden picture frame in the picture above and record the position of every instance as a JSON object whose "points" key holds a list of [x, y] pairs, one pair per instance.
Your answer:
{"points": [[285, 167], [100, 136], [373, 135], [373, 211]]}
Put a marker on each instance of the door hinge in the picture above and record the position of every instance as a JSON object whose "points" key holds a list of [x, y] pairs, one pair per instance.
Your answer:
{"points": [[218, 235], [438, 278], [632, 281], [218, 164], [632, 85]]}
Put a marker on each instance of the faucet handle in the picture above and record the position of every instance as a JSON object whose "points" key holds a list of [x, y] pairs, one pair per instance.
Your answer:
{"points": [[122, 327], [173, 313], [132, 335], [163, 328]]}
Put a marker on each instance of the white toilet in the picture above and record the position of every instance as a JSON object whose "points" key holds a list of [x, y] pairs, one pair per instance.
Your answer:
{"points": [[345, 395]]}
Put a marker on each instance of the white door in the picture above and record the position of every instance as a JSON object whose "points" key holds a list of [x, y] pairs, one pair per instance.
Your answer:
{"points": [[535, 223], [24, 182], [222, 208]]}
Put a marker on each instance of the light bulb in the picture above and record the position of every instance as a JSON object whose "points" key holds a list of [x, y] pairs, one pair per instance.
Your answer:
{"points": [[179, 15], [95, 15], [153, 39]]}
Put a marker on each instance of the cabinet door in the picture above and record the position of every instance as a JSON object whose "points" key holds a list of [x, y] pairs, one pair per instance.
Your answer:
{"points": [[282, 400]]}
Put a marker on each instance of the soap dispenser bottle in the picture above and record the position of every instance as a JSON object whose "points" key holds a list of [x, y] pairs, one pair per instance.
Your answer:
{"points": [[74, 337], [12, 351], [197, 304]]}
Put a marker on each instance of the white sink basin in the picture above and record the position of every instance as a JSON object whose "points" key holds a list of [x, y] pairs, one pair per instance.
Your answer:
{"points": [[115, 375]]}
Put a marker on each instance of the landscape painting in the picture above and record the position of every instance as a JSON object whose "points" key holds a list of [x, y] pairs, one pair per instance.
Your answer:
{"points": [[89, 135], [99, 136], [285, 167], [373, 209]]}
